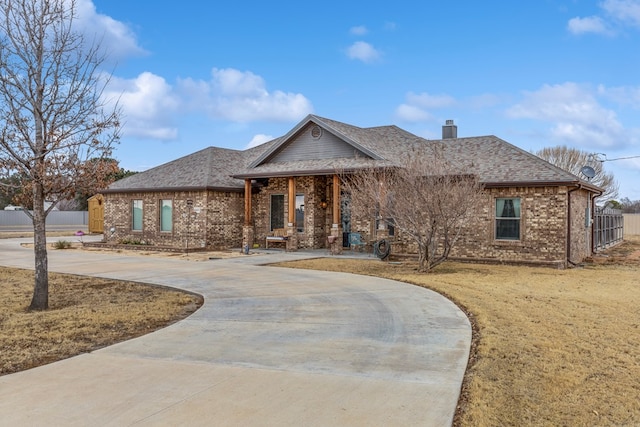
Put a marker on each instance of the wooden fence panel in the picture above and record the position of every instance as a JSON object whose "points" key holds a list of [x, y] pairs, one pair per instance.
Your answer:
{"points": [[631, 224]]}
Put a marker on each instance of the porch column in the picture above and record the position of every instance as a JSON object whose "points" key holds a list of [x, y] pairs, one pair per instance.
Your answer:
{"points": [[336, 227], [248, 233], [292, 201], [336, 200], [292, 242]]}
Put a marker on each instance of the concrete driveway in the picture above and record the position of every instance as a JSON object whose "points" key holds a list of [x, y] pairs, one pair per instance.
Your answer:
{"points": [[269, 347]]}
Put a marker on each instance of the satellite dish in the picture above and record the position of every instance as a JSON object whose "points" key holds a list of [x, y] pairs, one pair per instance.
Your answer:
{"points": [[588, 171]]}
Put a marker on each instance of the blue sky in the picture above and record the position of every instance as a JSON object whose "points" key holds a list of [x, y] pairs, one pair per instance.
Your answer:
{"points": [[536, 73]]}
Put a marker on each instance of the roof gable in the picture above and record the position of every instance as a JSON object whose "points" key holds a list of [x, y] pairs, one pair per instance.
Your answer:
{"points": [[314, 139]]}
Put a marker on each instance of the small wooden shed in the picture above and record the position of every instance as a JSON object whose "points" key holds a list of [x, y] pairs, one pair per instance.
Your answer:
{"points": [[96, 213]]}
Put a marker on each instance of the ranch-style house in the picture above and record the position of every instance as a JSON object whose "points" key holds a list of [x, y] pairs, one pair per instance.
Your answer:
{"points": [[287, 193]]}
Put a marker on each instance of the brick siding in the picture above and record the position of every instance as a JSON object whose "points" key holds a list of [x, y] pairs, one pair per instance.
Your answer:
{"points": [[213, 221], [217, 220]]}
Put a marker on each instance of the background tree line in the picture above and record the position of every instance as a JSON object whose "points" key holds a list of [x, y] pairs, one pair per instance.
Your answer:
{"points": [[15, 188]]}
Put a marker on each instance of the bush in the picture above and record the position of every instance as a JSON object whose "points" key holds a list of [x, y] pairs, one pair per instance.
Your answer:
{"points": [[62, 244], [130, 241]]}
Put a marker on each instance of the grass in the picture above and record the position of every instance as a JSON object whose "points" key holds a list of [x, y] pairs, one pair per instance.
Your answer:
{"points": [[85, 314], [550, 347]]}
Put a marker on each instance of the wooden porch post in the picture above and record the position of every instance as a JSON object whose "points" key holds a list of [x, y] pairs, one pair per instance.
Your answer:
{"points": [[248, 233], [336, 200], [292, 201], [292, 242]]}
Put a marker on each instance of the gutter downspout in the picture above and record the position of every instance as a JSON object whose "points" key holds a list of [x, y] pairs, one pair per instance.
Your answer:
{"points": [[578, 187], [593, 210]]}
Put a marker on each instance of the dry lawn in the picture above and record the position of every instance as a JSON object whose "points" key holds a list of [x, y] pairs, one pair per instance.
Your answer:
{"points": [[85, 314], [551, 347]]}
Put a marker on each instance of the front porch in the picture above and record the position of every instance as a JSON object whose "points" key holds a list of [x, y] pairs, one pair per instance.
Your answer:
{"points": [[299, 212]]}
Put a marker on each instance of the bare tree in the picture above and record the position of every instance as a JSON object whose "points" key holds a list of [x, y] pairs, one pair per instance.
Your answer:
{"points": [[52, 115], [629, 206], [572, 160], [427, 199]]}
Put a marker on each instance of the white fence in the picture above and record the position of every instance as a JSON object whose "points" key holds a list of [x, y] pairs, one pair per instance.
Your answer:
{"points": [[631, 224], [20, 218]]}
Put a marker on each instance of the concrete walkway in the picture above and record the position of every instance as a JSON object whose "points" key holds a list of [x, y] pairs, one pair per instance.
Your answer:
{"points": [[270, 347]]}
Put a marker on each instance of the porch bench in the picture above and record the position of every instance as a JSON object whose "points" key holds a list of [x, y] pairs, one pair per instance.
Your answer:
{"points": [[279, 236]]}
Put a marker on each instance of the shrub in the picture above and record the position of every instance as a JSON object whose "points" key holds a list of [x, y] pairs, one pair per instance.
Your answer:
{"points": [[62, 244], [130, 241]]}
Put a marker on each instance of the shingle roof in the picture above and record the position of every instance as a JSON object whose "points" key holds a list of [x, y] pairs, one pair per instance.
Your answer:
{"points": [[209, 168], [495, 161]]}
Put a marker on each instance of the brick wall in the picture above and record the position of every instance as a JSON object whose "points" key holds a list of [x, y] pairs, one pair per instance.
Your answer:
{"points": [[580, 232], [213, 221], [543, 228], [217, 218], [543, 231]]}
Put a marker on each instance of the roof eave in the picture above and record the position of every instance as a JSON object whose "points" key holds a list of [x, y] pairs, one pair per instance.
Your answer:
{"points": [[171, 189], [576, 183]]}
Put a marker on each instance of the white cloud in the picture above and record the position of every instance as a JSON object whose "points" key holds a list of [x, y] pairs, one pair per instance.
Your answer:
{"points": [[148, 105], [364, 52], [411, 113], [627, 11], [259, 139], [622, 95], [616, 14], [416, 106], [115, 37], [360, 30], [591, 24], [426, 100], [576, 116], [152, 107], [242, 97]]}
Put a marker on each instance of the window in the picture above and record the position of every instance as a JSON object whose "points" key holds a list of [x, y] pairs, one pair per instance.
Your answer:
{"points": [[508, 219], [136, 215], [277, 211], [299, 213], [166, 215]]}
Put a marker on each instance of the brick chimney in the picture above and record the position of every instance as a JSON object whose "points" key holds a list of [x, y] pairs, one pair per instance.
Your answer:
{"points": [[449, 130]]}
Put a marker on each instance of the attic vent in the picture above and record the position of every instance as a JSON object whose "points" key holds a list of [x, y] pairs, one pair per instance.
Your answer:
{"points": [[316, 132]]}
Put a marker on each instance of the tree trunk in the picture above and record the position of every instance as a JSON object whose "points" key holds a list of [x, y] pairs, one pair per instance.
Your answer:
{"points": [[40, 300]]}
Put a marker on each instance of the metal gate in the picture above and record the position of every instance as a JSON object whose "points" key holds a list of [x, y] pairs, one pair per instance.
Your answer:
{"points": [[608, 227]]}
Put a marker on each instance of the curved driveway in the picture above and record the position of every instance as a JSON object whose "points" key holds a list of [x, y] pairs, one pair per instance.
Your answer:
{"points": [[270, 346]]}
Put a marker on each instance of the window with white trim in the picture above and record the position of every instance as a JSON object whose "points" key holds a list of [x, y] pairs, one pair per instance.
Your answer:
{"points": [[508, 219], [166, 215], [136, 215]]}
